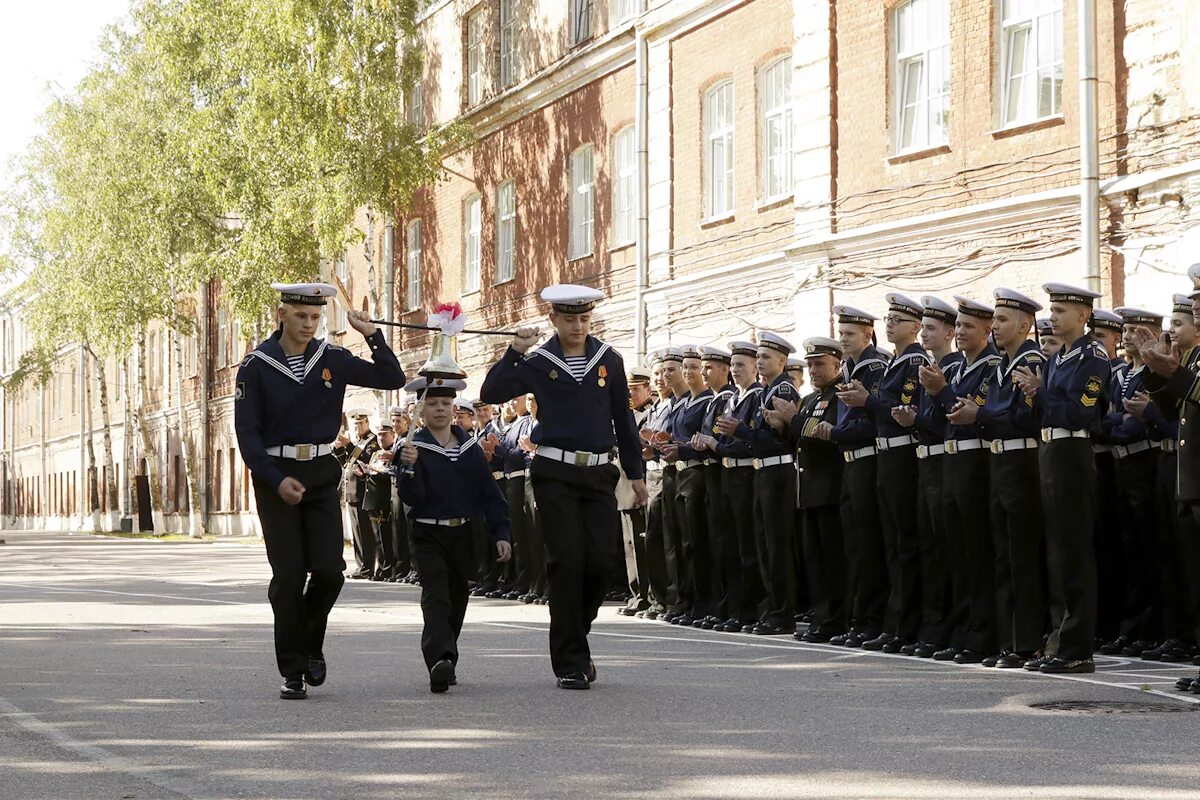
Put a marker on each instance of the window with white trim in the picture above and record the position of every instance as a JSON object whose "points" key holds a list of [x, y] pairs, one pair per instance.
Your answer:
{"points": [[476, 57], [472, 242], [775, 102], [506, 231], [624, 187], [412, 297], [718, 148], [581, 21], [1031, 60], [416, 105], [508, 42], [583, 202], [624, 10], [921, 74]]}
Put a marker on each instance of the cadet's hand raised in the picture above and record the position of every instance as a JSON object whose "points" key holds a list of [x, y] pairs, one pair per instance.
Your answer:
{"points": [[1028, 380], [408, 455], [361, 322], [965, 412], [1136, 405], [524, 338], [854, 395], [932, 378]]}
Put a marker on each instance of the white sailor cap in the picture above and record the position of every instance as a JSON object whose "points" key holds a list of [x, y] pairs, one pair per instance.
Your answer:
{"points": [[1140, 316], [904, 306], [1044, 327], [1065, 293], [937, 308], [774, 341], [1182, 304], [305, 294], [478, 403], [708, 353], [638, 375], [854, 316], [689, 351], [464, 404], [1193, 274], [670, 354], [816, 346], [973, 308], [743, 348], [396, 410], [435, 387], [1010, 298], [358, 413], [570, 298], [795, 363], [1103, 318]]}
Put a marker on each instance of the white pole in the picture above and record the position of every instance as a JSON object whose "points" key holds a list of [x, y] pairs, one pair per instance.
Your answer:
{"points": [[641, 116], [1089, 162]]}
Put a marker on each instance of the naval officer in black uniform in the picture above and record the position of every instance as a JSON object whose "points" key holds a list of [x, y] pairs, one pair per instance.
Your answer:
{"points": [[583, 413], [287, 411]]}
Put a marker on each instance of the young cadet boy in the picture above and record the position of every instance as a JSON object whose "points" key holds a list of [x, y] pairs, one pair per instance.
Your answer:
{"points": [[445, 480]]}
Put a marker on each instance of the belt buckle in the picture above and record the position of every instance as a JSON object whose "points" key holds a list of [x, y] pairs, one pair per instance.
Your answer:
{"points": [[453, 523], [304, 452], [758, 462], [997, 446], [581, 458], [951, 446], [848, 457], [727, 463], [922, 451], [1046, 434]]}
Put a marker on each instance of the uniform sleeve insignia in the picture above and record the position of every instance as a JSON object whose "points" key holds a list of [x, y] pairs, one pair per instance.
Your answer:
{"points": [[980, 399], [909, 386], [875, 390], [1093, 385], [239, 392], [905, 399]]}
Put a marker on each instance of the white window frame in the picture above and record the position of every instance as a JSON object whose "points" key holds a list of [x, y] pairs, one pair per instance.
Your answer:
{"points": [[506, 231], [412, 263], [1039, 25], [582, 172], [472, 243], [624, 187], [624, 10], [718, 150], [582, 20], [920, 75], [775, 105], [416, 105], [509, 21], [476, 58]]}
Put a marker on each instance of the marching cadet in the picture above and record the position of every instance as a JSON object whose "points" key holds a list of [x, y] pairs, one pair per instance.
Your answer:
{"points": [[896, 465], [965, 484], [695, 593], [774, 489], [1050, 343], [1179, 555], [1135, 451], [661, 582], [583, 411], [724, 566], [446, 480], [854, 433], [821, 489], [354, 460], [1007, 419], [633, 516], [287, 408], [1106, 329], [1067, 397], [745, 594], [514, 463]]}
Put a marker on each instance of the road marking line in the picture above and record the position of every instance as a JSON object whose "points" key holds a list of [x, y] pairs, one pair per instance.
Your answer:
{"points": [[85, 590]]}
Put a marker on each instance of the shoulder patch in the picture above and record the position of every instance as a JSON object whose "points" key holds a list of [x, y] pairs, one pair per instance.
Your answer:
{"points": [[1094, 385], [239, 392]]}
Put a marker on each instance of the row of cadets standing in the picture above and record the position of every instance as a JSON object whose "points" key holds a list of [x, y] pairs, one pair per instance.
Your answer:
{"points": [[529, 549], [354, 454], [662, 530], [633, 516], [724, 560], [651, 430], [1106, 330]]}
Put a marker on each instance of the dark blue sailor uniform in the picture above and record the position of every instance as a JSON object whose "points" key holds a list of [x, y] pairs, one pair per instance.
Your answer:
{"points": [[737, 490], [274, 408], [446, 487], [582, 415], [696, 597], [528, 549]]}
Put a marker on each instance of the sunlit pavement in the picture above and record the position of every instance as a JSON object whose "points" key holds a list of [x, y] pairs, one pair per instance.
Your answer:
{"points": [[137, 669]]}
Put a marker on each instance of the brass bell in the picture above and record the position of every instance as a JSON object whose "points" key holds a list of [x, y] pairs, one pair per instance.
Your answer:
{"points": [[443, 358]]}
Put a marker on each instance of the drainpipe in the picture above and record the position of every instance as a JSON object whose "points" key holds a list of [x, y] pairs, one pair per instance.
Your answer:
{"points": [[1089, 162], [642, 127], [205, 432], [389, 296]]}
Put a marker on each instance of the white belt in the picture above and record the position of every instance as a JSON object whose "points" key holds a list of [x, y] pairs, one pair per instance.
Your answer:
{"points": [[1124, 450], [896, 441], [300, 452], [1096, 448], [653, 466], [579, 458], [963, 445], [524, 472], [729, 463], [771, 461], [925, 451], [708, 462], [1050, 434], [1169, 445], [682, 465], [850, 456], [445, 523], [1007, 445], [498, 474]]}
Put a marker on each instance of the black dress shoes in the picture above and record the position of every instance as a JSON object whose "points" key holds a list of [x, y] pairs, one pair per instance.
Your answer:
{"points": [[765, 629], [925, 650], [909, 649], [896, 645], [590, 673], [968, 657], [576, 680], [813, 636], [1115, 647], [1185, 683], [360, 575], [878, 642], [1035, 664], [945, 654], [293, 689], [441, 676], [1061, 666], [315, 674], [1011, 660]]}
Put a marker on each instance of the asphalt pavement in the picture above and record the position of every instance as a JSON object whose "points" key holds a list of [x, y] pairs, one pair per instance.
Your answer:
{"points": [[138, 669]]}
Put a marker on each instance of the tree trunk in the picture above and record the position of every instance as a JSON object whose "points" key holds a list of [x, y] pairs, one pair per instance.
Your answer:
{"points": [[128, 440], [149, 452], [93, 498], [186, 451], [110, 478]]}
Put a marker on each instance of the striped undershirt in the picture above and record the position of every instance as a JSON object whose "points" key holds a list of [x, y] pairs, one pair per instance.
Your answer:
{"points": [[577, 365], [296, 364]]}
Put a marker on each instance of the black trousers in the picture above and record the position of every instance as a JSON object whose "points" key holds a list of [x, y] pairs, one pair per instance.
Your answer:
{"points": [[1016, 516], [524, 559], [825, 560], [401, 538], [931, 542], [745, 594], [866, 569], [537, 542], [672, 540], [445, 557], [898, 498], [364, 539], [775, 536], [582, 532], [1179, 557], [656, 556], [1141, 612], [1068, 469], [304, 546], [633, 537], [966, 487], [724, 565], [1107, 548], [381, 522], [695, 594]]}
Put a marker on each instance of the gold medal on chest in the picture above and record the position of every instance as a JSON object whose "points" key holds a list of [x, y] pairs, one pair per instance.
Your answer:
{"points": [[603, 373], [553, 374], [600, 382]]}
